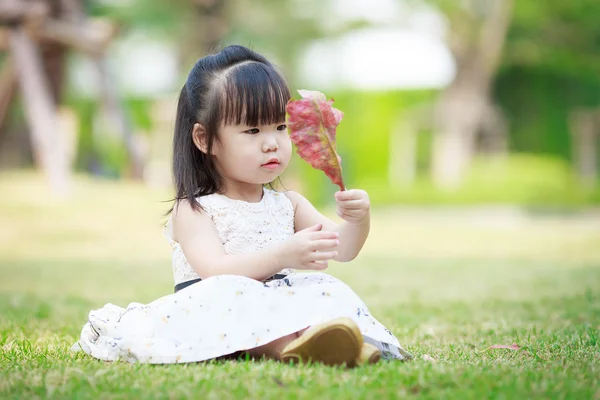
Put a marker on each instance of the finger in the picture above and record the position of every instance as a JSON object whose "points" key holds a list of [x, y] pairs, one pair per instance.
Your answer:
{"points": [[351, 194], [345, 214], [323, 245], [314, 228], [354, 204], [351, 216], [323, 255], [318, 266], [324, 235]]}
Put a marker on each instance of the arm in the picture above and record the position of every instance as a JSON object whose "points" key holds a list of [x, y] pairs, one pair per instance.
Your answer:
{"points": [[200, 242], [308, 249], [352, 206]]}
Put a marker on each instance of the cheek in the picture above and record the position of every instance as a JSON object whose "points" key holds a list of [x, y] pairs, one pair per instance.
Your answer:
{"points": [[218, 147], [226, 152], [243, 154], [286, 147]]}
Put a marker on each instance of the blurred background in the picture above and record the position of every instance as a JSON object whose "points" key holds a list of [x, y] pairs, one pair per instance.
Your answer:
{"points": [[446, 102], [474, 126]]}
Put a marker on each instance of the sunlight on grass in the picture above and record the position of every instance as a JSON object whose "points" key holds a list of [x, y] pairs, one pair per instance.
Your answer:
{"points": [[449, 283]]}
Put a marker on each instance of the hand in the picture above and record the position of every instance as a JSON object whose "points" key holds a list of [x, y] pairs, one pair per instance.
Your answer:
{"points": [[309, 248], [353, 205]]}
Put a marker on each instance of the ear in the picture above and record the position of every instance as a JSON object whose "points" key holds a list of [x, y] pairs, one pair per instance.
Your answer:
{"points": [[199, 137]]}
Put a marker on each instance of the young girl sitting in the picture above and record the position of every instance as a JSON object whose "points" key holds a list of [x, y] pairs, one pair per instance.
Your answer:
{"points": [[237, 245]]}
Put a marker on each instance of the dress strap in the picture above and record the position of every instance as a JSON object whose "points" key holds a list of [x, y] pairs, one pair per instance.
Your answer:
{"points": [[185, 284]]}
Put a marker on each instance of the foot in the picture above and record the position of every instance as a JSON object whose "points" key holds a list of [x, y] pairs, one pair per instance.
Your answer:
{"points": [[369, 354], [337, 342]]}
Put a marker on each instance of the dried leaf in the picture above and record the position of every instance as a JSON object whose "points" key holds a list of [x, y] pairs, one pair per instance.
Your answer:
{"points": [[513, 346], [312, 122], [427, 357], [278, 382]]}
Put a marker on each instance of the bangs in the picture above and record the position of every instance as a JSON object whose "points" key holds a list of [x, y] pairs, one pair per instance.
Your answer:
{"points": [[252, 94]]}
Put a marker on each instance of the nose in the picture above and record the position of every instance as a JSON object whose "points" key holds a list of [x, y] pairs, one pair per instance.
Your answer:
{"points": [[270, 144]]}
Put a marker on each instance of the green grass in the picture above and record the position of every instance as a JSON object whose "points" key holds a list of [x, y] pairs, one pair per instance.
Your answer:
{"points": [[449, 284]]}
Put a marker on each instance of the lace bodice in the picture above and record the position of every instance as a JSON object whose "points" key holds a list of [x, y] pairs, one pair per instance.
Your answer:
{"points": [[242, 226]]}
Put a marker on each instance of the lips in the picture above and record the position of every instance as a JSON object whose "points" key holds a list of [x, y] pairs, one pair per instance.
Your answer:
{"points": [[271, 162]]}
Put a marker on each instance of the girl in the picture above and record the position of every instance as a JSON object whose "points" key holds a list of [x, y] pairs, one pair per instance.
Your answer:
{"points": [[236, 244]]}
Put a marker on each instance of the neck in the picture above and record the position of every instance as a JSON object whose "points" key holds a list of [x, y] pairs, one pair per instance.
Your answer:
{"points": [[249, 192]]}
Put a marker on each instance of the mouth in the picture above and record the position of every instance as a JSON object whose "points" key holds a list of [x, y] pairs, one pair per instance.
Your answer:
{"points": [[271, 164]]}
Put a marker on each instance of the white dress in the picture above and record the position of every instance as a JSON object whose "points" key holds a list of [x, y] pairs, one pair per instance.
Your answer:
{"points": [[225, 314]]}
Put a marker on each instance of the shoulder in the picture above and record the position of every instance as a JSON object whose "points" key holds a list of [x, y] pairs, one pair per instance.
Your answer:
{"points": [[183, 208], [296, 199], [184, 217]]}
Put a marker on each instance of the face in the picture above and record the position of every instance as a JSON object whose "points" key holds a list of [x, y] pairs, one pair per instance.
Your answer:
{"points": [[252, 154]]}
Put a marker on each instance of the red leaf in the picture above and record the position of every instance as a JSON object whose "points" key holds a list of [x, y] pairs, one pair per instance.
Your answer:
{"points": [[513, 346], [312, 122]]}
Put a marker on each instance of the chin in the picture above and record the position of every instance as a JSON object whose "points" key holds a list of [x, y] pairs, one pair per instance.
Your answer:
{"points": [[270, 181]]}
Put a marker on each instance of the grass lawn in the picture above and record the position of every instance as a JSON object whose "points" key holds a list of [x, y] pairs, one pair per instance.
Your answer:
{"points": [[448, 283]]}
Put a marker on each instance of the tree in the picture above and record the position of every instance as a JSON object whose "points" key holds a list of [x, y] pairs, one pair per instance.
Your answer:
{"points": [[38, 35], [477, 33], [553, 54]]}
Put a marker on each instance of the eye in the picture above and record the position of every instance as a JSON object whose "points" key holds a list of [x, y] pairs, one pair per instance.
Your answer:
{"points": [[252, 131], [282, 127]]}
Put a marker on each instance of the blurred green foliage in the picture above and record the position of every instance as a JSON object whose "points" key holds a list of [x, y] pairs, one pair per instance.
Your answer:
{"points": [[537, 173], [101, 153], [537, 102], [550, 68]]}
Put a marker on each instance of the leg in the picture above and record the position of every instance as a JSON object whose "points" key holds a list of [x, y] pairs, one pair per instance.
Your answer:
{"points": [[273, 349]]}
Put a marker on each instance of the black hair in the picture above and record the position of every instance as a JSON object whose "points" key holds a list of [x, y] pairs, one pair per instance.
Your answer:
{"points": [[234, 86]]}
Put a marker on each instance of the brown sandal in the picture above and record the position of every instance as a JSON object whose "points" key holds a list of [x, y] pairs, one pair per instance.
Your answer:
{"points": [[338, 342]]}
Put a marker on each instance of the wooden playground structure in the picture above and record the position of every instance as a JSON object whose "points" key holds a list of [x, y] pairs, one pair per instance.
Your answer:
{"points": [[35, 37]]}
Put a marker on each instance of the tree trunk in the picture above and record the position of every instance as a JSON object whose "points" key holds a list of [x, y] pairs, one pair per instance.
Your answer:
{"points": [[402, 168], [8, 88], [465, 103], [459, 117], [210, 26], [585, 127], [119, 118], [40, 111], [73, 13]]}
